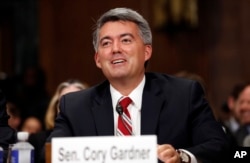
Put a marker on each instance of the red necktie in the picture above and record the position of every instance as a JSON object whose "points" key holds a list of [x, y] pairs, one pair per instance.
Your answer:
{"points": [[124, 120]]}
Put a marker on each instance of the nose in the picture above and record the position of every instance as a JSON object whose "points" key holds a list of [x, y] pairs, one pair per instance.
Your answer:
{"points": [[116, 47], [245, 106]]}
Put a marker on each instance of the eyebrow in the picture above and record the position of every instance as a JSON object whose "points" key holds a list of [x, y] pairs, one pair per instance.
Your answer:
{"points": [[106, 37], [127, 34], [122, 35]]}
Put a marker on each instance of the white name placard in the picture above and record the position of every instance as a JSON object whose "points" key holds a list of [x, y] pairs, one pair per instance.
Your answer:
{"points": [[105, 149]]}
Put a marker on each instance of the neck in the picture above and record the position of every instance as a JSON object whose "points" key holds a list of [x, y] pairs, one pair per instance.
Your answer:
{"points": [[125, 87]]}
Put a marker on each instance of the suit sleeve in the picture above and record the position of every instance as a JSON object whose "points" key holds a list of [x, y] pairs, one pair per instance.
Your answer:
{"points": [[209, 140]]}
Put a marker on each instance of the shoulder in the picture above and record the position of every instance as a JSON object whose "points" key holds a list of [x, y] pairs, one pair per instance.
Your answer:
{"points": [[89, 94], [167, 79], [170, 83]]}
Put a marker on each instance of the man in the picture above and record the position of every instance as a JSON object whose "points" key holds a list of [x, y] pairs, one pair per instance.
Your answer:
{"points": [[242, 113], [174, 109], [7, 134]]}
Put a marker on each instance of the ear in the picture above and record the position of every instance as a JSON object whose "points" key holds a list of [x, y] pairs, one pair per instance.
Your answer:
{"points": [[97, 60], [148, 52]]}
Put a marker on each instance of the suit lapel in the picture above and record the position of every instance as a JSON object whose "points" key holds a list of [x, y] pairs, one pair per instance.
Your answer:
{"points": [[103, 112], [152, 103]]}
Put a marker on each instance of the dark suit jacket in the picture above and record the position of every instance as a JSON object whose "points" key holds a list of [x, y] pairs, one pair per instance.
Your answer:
{"points": [[241, 134], [174, 109]]}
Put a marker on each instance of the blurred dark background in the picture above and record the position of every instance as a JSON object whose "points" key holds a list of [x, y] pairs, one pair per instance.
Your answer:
{"points": [[206, 37]]}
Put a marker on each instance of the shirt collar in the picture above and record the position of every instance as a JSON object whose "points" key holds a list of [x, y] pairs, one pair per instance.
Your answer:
{"points": [[135, 95]]}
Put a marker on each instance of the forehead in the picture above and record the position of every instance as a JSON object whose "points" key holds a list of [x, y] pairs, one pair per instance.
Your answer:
{"points": [[245, 93], [68, 89], [118, 27]]}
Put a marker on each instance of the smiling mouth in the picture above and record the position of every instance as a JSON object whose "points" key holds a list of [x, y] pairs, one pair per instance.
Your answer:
{"points": [[246, 114], [118, 61]]}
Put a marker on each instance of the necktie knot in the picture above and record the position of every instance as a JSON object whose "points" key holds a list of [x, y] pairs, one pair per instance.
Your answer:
{"points": [[125, 102]]}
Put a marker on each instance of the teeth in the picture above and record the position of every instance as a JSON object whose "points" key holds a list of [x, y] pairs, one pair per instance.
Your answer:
{"points": [[118, 61]]}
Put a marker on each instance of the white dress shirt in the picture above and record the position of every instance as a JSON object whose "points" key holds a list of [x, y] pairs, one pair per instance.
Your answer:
{"points": [[134, 108]]}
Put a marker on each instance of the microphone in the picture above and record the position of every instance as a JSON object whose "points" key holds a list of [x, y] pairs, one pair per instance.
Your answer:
{"points": [[119, 110]]}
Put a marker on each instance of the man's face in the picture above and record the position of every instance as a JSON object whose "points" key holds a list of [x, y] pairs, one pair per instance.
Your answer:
{"points": [[242, 106], [121, 52]]}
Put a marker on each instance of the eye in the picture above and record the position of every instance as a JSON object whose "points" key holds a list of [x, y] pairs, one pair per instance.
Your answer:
{"points": [[105, 43], [126, 40]]}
